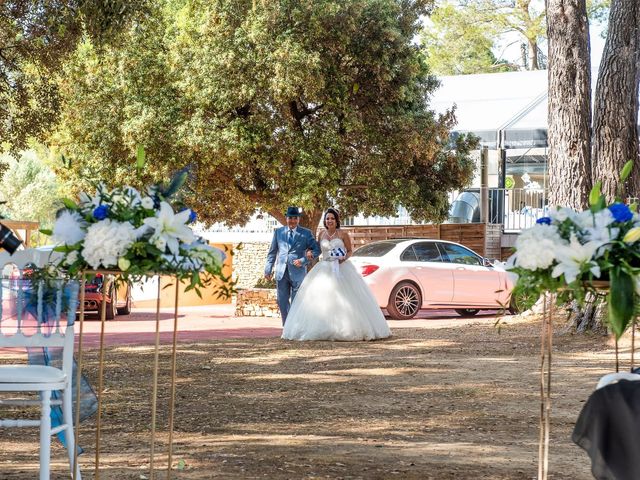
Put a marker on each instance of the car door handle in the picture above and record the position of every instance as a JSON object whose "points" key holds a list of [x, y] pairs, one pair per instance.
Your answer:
{"points": [[460, 268]]}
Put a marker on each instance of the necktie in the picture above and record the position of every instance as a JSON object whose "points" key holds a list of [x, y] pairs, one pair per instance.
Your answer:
{"points": [[290, 237]]}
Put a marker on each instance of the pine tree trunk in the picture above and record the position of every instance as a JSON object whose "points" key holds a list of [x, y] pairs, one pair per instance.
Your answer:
{"points": [[569, 133], [615, 119]]}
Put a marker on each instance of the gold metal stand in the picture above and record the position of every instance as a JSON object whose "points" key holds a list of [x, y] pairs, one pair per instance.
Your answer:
{"points": [[546, 338], [100, 389]]}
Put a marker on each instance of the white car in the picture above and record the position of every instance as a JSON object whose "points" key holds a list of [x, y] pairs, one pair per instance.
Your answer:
{"points": [[406, 275]]}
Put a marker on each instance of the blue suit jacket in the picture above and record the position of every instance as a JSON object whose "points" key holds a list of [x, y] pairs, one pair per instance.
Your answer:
{"points": [[282, 255]]}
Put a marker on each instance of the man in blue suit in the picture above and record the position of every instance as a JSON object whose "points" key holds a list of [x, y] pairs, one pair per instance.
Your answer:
{"points": [[288, 252]]}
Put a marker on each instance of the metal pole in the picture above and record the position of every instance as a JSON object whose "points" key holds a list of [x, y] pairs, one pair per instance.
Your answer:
{"points": [[172, 398], [103, 314], [154, 394], [79, 378], [484, 185]]}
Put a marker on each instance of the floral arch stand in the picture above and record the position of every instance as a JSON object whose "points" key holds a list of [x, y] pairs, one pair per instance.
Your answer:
{"points": [[100, 386]]}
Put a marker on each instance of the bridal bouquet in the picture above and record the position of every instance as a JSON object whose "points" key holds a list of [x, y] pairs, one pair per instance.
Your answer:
{"points": [[568, 251], [137, 233], [337, 253]]}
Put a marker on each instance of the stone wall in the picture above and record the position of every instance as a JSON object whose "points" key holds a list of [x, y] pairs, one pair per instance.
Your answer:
{"points": [[248, 263], [257, 302]]}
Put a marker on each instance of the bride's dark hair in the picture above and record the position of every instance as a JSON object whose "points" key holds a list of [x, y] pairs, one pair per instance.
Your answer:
{"points": [[335, 214]]}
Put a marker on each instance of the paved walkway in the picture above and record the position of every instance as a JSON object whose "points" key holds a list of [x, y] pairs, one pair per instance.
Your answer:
{"points": [[215, 322]]}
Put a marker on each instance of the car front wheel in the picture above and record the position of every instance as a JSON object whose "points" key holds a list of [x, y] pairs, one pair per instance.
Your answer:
{"points": [[405, 301], [467, 312]]}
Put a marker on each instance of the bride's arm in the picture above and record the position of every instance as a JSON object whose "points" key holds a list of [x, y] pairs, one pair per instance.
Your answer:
{"points": [[347, 245]]}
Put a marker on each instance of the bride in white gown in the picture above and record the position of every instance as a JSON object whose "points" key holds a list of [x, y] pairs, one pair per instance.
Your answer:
{"points": [[333, 302]]}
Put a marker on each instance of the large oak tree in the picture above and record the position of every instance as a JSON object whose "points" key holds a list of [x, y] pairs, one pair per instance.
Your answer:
{"points": [[36, 37], [270, 103]]}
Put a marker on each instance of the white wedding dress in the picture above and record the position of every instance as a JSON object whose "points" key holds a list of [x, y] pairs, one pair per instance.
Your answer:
{"points": [[334, 303]]}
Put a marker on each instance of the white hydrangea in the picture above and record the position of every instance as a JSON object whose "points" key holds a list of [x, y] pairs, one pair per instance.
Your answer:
{"points": [[537, 247], [69, 228], [106, 241], [560, 214]]}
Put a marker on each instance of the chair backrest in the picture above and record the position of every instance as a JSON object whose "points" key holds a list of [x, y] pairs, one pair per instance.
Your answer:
{"points": [[33, 315]]}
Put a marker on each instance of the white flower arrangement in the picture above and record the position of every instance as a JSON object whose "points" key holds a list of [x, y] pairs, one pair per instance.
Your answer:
{"points": [[569, 250], [138, 234]]}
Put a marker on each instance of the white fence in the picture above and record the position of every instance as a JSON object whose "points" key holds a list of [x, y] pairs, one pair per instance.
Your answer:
{"points": [[517, 208]]}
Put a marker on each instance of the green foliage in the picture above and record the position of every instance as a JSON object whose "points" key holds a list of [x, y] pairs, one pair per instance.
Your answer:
{"points": [[270, 104], [460, 40], [29, 188], [462, 36], [522, 298], [36, 38]]}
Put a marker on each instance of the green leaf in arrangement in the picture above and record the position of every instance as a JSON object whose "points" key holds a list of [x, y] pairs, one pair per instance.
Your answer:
{"points": [[70, 204], [594, 194], [46, 231], [620, 300], [626, 171], [176, 182], [141, 157]]}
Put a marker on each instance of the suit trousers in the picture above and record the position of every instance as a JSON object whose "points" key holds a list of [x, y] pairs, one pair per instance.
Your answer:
{"points": [[286, 292]]}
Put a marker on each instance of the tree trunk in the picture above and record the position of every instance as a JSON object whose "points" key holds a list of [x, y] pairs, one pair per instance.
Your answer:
{"points": [[615, 119], [569, 133], [533, 55]]}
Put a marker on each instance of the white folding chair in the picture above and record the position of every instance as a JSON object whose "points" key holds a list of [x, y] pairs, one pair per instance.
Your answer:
{"points": [[39, 378]]}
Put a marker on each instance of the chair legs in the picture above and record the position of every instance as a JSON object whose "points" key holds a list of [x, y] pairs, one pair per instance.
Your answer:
{"points": [[45, 434], [67, 418]]}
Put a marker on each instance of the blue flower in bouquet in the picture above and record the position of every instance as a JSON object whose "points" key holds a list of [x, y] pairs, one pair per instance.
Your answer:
{"points": [[192, 215], [544, 220], [621, 212], [101, 212]]}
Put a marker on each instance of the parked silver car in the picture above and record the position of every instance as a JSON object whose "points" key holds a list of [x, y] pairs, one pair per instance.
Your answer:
{"points": [[406, 275]]}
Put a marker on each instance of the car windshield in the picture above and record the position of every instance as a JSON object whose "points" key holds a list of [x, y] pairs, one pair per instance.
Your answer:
{"points": [[377, 249]]}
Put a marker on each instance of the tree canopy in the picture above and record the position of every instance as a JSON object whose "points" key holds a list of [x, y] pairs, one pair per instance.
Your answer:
{"points": [[36, 37], [459, 41], [465, 36], [29, 188], [312, 103]]}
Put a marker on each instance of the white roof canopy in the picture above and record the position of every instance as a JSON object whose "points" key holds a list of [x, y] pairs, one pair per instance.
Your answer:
{"points": [[507, 110]]}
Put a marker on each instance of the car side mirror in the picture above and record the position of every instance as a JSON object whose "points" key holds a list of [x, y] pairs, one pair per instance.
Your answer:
{"points": [[487, 262]]}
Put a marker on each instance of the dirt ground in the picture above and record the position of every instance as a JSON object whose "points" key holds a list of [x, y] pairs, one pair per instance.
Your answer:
{"points": [[429, 403]]}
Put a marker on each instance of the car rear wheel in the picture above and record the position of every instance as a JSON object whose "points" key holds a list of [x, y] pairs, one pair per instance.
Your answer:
{"points": [[111, 306], [405, 301], [467, 312], [126, 309]]}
